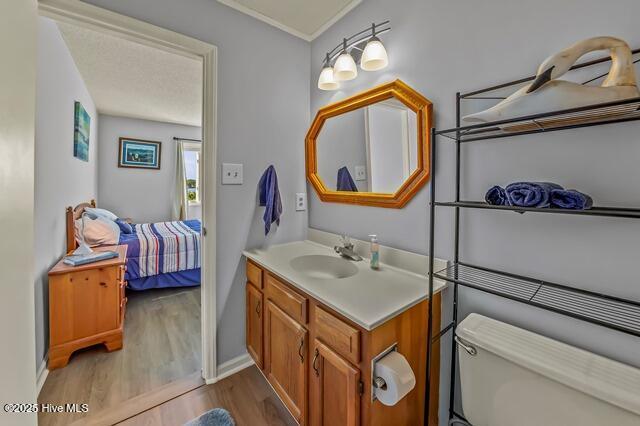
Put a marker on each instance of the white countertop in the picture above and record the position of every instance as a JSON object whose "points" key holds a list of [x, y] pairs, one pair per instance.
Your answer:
{"points": [[369, 298]]}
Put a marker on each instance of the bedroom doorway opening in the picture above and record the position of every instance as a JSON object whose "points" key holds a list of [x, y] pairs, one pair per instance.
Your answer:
{"points": [[169, 327]]}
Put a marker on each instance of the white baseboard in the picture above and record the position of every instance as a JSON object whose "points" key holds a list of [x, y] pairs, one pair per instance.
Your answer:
{"points": [[231, 367], [41, 375]]}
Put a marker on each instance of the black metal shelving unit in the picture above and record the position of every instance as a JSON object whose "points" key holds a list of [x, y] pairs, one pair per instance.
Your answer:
{"points": [[603, 310]]}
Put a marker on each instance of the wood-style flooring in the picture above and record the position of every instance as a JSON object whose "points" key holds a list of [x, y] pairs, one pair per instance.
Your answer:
{"points": [[162, 344], [246, 395]]}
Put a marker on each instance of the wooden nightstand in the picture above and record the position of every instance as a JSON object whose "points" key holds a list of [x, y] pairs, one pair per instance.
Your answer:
{"points": [[86, 306]]}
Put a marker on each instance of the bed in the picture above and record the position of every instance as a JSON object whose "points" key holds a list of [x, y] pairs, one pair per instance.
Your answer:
{"points": [[159, 255]]}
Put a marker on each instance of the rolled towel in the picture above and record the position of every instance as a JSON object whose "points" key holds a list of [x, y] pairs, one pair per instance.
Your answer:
{"points": [[496, 196], [530, 194], [570, 199]]}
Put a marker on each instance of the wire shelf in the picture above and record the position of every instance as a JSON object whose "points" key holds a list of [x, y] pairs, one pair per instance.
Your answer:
{"points": [[633, 213], [591, 115], [600, 309]]}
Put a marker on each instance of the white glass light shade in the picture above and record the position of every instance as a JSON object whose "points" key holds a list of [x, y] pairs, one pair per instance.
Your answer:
{"points": [[326, 81], [374, 56], [345, 68]]}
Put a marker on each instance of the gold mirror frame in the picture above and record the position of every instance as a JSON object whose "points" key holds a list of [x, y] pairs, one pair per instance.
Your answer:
{"points": [[415, 102]]}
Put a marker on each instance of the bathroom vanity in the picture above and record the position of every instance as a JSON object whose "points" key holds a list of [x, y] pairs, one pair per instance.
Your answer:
{"points": [[315, 323]]}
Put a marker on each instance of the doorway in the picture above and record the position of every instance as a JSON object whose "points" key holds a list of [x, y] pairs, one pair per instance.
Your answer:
{"points": [[97, 19]]}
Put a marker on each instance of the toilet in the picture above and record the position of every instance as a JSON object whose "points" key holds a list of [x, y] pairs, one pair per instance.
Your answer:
{"points": [[513, 377]]}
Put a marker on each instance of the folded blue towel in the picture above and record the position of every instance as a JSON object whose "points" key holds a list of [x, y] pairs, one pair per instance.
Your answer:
{"points": [[530, 194], [270, 198], [345, 182], [496, 196], [570, 199]]}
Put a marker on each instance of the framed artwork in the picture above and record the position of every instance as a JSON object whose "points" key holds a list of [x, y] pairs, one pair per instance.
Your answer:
{"points": [[139, 154], [81, 127]]}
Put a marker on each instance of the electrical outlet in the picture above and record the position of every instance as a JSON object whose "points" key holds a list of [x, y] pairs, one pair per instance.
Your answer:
{"points": [[301, 201], [231, 174], [361, 173]]}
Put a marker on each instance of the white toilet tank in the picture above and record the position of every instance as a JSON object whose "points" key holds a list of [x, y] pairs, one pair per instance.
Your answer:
{"points": [[519, 378]]}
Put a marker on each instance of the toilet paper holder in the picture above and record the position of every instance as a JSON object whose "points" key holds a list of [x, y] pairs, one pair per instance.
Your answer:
{"points": [[378, 382]]}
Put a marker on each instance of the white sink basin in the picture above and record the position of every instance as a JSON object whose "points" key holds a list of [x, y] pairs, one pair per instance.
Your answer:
{"points": [[324, 267]]}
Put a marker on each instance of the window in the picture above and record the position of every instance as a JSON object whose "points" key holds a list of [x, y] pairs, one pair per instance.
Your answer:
{"points": [[192, 172]]}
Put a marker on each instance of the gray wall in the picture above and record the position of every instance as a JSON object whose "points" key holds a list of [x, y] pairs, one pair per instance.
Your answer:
{"points": [[440, 47], [61, 180], [263, 114], [17, 128], [142, 195]]}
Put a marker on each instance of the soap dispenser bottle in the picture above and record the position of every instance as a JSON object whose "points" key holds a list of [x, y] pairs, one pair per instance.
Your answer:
{"points": [[375, 252]]}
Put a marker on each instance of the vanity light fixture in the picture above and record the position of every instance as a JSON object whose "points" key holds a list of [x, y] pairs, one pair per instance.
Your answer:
{"points": [[345, 67], [367, 48], [374, 57], [327, 81]]}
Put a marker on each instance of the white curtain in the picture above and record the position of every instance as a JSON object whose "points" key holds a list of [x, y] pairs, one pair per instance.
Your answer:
{"points": [[180, 204]]}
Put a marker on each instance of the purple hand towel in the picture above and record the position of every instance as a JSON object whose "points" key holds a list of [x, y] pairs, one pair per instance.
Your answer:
{"points": [[345, 182], [270, 198]]}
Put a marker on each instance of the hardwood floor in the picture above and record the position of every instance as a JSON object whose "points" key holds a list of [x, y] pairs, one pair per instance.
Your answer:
{"points": [[246, 395], [161, 345]]}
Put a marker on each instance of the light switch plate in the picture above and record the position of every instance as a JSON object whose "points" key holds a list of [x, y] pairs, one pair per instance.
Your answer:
{"points": [[301, 201], [361, 173], [231, 174]]}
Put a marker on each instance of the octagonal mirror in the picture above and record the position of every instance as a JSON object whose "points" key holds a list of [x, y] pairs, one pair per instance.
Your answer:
{"points": [[371, 148]]}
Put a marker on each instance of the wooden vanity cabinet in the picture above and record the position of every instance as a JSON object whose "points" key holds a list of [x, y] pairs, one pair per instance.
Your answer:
{"points": [[286, 359], [255, 313], [319, 362], [335, 388], [254, 326]]}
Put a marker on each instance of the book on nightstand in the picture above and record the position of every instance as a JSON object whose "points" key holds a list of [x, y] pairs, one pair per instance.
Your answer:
{"points": [[83, 259]]}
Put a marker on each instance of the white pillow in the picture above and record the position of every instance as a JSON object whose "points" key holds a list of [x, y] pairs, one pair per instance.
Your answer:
{"points": [[95, 212], [97, 232]]}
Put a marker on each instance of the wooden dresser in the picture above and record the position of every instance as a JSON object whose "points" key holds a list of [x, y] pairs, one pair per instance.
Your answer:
{"points": [[86, 306]]}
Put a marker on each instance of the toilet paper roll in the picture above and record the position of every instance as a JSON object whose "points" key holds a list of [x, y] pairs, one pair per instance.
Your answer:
{"points": [[398, 376]]}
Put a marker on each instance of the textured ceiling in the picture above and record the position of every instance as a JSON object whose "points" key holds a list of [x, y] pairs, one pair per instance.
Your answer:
{"points": [[129, 79], [306, 19]]}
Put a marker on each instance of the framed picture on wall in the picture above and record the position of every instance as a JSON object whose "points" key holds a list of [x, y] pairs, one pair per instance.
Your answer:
{"points": [[81, 127], [139, 154]]}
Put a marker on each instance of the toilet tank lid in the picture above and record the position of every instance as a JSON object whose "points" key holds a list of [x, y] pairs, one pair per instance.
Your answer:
{"points": [[600, 377]]}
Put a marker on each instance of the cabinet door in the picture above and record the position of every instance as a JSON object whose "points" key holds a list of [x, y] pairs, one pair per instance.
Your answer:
{"points": [[286, 359], [334, 389], [254, 324]]}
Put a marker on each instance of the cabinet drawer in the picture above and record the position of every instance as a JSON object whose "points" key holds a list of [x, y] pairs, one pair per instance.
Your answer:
{"points": [[254, 274], [286, 299], [337, 334]]}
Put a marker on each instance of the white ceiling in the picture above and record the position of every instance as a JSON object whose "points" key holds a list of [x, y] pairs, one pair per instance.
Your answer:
{"points": [[129, 79], [306, 19]]}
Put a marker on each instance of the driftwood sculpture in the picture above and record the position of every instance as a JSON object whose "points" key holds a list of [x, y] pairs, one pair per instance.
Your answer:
{"points": [[546, 93]]}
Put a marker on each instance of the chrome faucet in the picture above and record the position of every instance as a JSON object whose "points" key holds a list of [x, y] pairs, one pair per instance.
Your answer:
{"points": [[346, 250]]}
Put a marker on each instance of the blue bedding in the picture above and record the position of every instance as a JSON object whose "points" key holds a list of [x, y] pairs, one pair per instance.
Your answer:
{"points": [[163, 254]]}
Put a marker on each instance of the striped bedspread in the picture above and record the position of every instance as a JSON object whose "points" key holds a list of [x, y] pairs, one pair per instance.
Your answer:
{"points": [[157, 248]]}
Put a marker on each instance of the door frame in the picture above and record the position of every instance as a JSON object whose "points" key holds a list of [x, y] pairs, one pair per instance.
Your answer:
{"points": [[115, 24]]}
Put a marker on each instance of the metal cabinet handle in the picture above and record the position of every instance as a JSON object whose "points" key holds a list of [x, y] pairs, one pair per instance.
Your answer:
{"points": [[315, 358], [300, 349], [258, 308]]}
